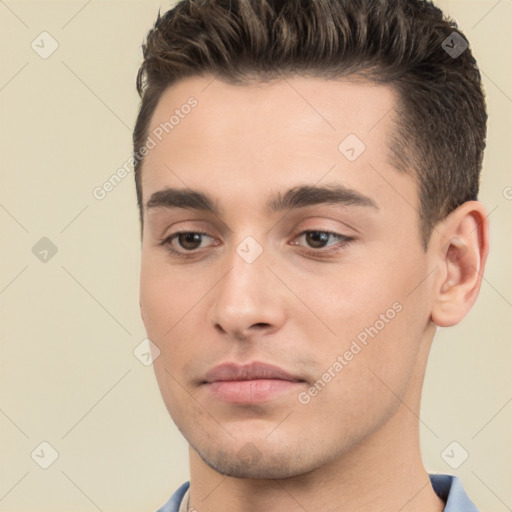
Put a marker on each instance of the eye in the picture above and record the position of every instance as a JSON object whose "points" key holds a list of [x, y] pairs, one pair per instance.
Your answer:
{"points": [[186, 243], [183, 242], [320, 239]]}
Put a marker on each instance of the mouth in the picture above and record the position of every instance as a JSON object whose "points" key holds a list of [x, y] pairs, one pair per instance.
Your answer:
{"points": [[251, 383]]}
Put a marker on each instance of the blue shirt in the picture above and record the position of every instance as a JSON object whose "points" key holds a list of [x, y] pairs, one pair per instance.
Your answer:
{"points": [[449, 488]]}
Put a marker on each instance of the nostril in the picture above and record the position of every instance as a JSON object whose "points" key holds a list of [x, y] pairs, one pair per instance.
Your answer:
{"points": [[260, 325], [220, 328]]}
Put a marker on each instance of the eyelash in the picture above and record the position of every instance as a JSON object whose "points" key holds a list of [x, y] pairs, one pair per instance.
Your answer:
{"points": [[167, 241], [344, 242]]}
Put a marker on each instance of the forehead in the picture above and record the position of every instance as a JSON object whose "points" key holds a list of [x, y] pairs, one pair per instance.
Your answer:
{"points": [[290, 130], [300, 106]]}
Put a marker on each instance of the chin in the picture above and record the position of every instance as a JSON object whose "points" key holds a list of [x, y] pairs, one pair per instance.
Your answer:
{"points": [[251, 462]]}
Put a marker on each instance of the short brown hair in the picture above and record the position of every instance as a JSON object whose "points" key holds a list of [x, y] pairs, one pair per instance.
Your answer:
{"points": [[440, 116]]}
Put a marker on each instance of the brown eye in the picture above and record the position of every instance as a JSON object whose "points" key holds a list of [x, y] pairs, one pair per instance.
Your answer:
{"points": [[190, 241], [322, 243], [188, 244], [317, 239]]}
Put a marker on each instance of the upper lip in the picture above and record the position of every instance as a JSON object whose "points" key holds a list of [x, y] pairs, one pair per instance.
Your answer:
{"points": [[250, 371]]}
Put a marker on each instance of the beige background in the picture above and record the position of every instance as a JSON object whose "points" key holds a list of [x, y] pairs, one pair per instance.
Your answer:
{"points": [[68, 375]]}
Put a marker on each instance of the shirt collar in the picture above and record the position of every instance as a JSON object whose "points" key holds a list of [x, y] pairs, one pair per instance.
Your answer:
{"points": [[449, 488]]}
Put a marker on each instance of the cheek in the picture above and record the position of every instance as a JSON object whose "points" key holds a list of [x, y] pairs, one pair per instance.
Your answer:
{"points": [[363, 377], [164, 298], [348, 299], [171, 307], [155, 305], [375, 323]]}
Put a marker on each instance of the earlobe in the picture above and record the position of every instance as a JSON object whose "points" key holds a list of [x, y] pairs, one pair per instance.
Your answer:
{"points": [[461, 248]]}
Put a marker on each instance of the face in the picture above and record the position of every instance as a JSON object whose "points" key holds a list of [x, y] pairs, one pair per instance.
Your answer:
{"points": [[281, 270]]}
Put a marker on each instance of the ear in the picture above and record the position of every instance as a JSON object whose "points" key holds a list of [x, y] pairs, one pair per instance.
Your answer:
{"points": [[460, 250]]}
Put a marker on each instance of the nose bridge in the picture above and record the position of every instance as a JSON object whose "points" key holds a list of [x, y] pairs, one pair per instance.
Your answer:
{"points": [[247, 276], [245, 296]]}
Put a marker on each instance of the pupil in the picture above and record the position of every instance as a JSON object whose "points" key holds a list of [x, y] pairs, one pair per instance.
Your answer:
{"points": [[318, 238], [187, 239]]}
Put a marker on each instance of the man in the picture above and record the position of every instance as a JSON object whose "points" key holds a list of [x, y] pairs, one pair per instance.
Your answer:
{"points": [[307, 176]]}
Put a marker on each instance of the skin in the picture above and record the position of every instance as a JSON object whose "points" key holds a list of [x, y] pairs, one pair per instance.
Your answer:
{"points": [[355, 444]]}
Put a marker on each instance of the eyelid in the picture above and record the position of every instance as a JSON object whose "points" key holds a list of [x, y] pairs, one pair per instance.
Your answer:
{"points": [[329, 250], [166, 243], [324, 231], [175, 234]]}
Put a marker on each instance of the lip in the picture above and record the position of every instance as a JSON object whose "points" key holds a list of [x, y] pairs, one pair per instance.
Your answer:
{"points": [[251, 371], [249, 383]]}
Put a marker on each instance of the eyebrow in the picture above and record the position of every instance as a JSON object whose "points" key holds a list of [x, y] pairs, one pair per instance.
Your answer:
{"points": [[296, 197]]}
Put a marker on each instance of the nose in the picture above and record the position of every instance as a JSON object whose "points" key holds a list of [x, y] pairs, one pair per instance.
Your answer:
{"points": [[249, 300]]}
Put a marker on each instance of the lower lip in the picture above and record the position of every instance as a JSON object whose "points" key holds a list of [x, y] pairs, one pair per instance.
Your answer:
{"points": [[251, 391]]}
